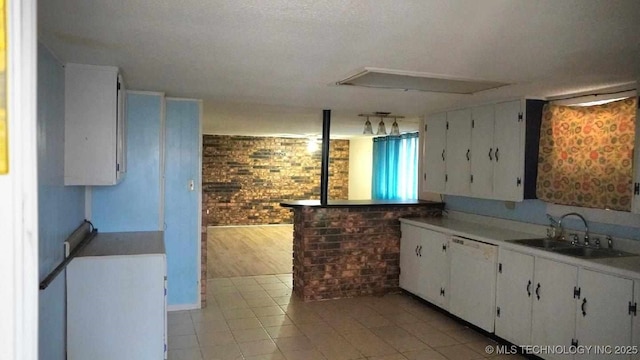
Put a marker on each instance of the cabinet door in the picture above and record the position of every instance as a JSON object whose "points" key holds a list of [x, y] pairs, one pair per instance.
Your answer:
{"points": [[121, 125], [635, 331], [509, 152], [554, 315], [434, 153], [514, 296], [90, 125], [409, 265], [482, 152], [602, 315], [458, 152], [118, 307], [434, 264]]}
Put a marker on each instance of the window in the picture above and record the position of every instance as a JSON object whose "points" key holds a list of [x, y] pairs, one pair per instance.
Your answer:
{"points": [[395, 167], [586, 155]]}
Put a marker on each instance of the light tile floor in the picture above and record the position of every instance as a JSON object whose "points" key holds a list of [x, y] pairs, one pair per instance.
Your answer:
{"points": [[258, 318]]}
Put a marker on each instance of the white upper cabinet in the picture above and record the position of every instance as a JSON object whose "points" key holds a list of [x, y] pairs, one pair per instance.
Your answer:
{"points": [[508, 143], [458, 153], [482, 151], [434, 154], [94, 125], [490, 151]]}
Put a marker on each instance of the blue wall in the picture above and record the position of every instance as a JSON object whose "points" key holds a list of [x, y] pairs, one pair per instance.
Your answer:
{"points": [[182, 149], [134, 204], [532, 211], [60, 208]]}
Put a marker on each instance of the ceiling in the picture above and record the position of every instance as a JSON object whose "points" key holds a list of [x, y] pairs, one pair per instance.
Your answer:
{"points": [[270, 67]]}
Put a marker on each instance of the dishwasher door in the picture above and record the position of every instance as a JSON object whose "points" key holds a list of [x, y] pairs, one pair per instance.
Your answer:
{"points": [[472, 283]]}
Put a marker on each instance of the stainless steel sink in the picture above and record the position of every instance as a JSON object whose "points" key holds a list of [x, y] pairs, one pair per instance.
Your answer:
{"points": [[592, 253], [543, 243], [565, 248]]}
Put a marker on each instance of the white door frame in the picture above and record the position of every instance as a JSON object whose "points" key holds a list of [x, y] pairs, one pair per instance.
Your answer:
{"points": [[19, 190]]}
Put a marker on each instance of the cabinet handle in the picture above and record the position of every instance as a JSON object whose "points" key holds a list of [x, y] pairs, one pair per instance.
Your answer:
{"points": [[538, 291], [443, 154], [582, 307], [497, 154], [529, 288], [416, 250], [490, 154], [468, 151]]}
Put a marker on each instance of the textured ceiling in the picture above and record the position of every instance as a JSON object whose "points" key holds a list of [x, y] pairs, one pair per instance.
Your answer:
{"points": [[269, 67]]}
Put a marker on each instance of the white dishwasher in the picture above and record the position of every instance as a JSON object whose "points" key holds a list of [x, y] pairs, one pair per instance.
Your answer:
{"points": [[472, 281]]}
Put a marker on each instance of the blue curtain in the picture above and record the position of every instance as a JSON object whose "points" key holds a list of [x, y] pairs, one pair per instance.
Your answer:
{"points": [[395, 167]]}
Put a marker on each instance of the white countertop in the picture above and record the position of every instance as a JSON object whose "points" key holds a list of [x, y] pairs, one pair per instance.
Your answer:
{"points": [[125, 244], [498, 235]]}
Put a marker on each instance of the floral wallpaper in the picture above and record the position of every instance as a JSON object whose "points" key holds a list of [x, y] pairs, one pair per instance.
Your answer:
{"points": [[586, 155]]}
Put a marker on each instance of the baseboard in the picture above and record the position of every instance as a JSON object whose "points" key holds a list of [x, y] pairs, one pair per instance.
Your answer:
{"points": [[182, 307]]}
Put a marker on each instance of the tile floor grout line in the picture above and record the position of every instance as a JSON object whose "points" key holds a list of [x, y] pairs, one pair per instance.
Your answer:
{"points": [[345, 318]]}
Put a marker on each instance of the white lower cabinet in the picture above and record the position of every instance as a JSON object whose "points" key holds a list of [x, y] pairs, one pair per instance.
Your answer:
{"points": [[603, 314], [514, 296], [424, 265], [635, 322], [435, 263], [545, 302], [535, 300], [553, 314], [410, 272]]}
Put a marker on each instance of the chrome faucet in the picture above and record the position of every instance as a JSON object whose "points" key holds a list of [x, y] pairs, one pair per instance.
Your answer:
{"points": [[586, 228]]}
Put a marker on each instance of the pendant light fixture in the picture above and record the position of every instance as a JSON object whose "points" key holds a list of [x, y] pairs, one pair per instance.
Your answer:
{"points": [[382, 129], [395, 129], [368, 130]]}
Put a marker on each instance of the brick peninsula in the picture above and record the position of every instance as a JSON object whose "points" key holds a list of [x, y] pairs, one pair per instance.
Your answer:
{"points": [[350, 248]]}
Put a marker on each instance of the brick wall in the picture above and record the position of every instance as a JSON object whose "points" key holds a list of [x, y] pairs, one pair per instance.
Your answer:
{"points": [[245, 178], [349, 251]]}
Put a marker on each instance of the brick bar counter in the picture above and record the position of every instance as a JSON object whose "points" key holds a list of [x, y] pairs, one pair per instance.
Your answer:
{"points": [[349, 248]]}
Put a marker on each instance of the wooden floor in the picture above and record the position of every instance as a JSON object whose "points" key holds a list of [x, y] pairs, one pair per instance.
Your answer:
{"points": [[249, 250]]}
